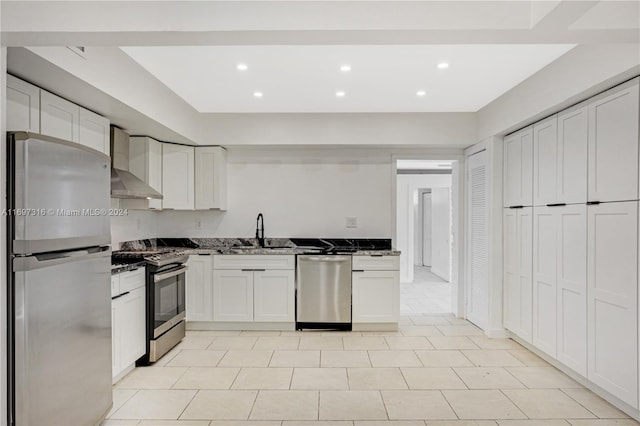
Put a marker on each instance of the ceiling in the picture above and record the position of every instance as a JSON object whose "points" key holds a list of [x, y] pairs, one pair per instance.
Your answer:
{"points": [[424, 164], [400, 78]]}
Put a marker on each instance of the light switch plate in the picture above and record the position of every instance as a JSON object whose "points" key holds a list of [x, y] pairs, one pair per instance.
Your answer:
{"points": [[352, 222], [198, 224]]}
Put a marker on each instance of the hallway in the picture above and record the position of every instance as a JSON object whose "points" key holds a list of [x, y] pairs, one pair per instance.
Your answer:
{"points": [[428, 294]]}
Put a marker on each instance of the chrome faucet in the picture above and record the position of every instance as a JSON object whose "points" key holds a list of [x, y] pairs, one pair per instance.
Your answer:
{"points": [[260, 230]]}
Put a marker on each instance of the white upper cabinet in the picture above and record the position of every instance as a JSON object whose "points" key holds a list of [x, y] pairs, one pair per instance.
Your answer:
{"points": [[571, 182], [23, 105], [518, 168], [211, 178], [545, 161], [94, 131], [613, 144], [612, 310], [177, 177], [59, 118], [518, 291], [145, 161]]}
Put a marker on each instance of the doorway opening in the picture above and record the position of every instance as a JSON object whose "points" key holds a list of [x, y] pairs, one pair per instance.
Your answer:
{"points": [[424, 224]]}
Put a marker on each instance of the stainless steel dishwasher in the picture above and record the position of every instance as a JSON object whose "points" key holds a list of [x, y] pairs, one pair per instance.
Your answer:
{"points": [[323, 292]]}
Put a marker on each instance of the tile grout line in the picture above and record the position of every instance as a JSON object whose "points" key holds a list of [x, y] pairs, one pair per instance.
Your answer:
{"points": [[449, 404], [514, 404], [188, 403], [579, 403]]}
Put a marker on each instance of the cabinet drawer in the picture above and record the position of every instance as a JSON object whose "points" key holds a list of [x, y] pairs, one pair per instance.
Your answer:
{"points": [[131, 280], [376, 263], [252, 262]]}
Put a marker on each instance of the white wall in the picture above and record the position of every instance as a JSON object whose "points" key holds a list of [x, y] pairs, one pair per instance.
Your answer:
{"points": [[441, 232], [406, 185], [582, 72], [301, 195]]}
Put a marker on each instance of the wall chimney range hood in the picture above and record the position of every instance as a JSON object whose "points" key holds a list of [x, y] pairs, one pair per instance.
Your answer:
{"points": [[125, 184]]}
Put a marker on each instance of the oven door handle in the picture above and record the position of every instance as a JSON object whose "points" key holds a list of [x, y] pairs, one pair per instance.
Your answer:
{"points": [[160, 277]]}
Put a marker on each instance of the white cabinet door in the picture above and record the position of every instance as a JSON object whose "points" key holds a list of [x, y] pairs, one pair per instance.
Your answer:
{"points": [[145, 161], [232, 295], [571, 281], [133, 343], [116, 320], [23, 105], [94, 131], [572, 155], [518, 168], [544, 279], [545, 162], [274, 296], [518, 234], [211, 178], [199, 289], [376, 296], [58, 117], [613, 144], [612, 310], [177, 177]]}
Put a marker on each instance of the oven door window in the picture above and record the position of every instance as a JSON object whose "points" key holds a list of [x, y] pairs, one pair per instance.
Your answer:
{"points": [[169, 299]]}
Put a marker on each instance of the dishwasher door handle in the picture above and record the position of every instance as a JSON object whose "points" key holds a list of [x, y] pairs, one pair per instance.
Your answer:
{"points": [[324, 259]]}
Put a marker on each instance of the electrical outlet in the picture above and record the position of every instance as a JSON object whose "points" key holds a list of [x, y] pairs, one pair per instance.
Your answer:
{"points": [[198, 224], [352, 222]]}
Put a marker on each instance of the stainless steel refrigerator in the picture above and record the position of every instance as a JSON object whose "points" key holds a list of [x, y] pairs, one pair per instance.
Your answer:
{"points": [[59, 293]]}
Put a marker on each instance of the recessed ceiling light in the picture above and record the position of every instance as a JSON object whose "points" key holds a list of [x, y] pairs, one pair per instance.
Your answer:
{"points": [[421, 93], [443, 65], [345, 68], [257, 94], [340, 94], [242, 67]]}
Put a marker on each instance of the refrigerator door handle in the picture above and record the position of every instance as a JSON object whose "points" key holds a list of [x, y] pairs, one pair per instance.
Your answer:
{"points": [[39, 261]]}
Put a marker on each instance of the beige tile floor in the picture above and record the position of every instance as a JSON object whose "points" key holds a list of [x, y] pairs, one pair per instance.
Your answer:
{"points": [[427, 294], [434, 371]]}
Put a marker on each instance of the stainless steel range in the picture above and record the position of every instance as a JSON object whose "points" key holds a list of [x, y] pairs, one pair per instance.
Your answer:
{"points": [[165, 283]]}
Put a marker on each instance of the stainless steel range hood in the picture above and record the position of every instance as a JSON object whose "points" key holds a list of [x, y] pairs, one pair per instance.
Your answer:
{"points": [[125, 184]]}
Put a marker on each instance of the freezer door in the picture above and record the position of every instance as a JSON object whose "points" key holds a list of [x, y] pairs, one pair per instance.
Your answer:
{"points": [[323, 289], [62, 338], [58, 194]]}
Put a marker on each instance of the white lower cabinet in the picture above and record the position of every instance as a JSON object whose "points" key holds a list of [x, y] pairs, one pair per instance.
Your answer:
{"points": [[376, 296], [560, 284], [232, 295], [612, 309], [518, 292], [246, 291], [128, 320], [199, 288]]}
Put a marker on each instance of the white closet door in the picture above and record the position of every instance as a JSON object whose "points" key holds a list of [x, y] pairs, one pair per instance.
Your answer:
{"points": [[478, 294], [525, 265], [545, 163], [511, 283], [544, 279], [612, 310], [613, 145], [518, 168], [572, 287], [572, 155], [426, 229]]}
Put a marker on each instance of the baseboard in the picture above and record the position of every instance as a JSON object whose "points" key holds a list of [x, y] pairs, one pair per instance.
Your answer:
{"points": [[240, 326], [439, 274], [375, 326], [497, 333], [613, 400]]}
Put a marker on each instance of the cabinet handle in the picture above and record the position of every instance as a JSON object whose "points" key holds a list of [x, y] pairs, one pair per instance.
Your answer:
{"points": [[376, 255], [516, 207], [592, 203], [557, 205], [120, 295], [253, 270], [358, 270]]}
